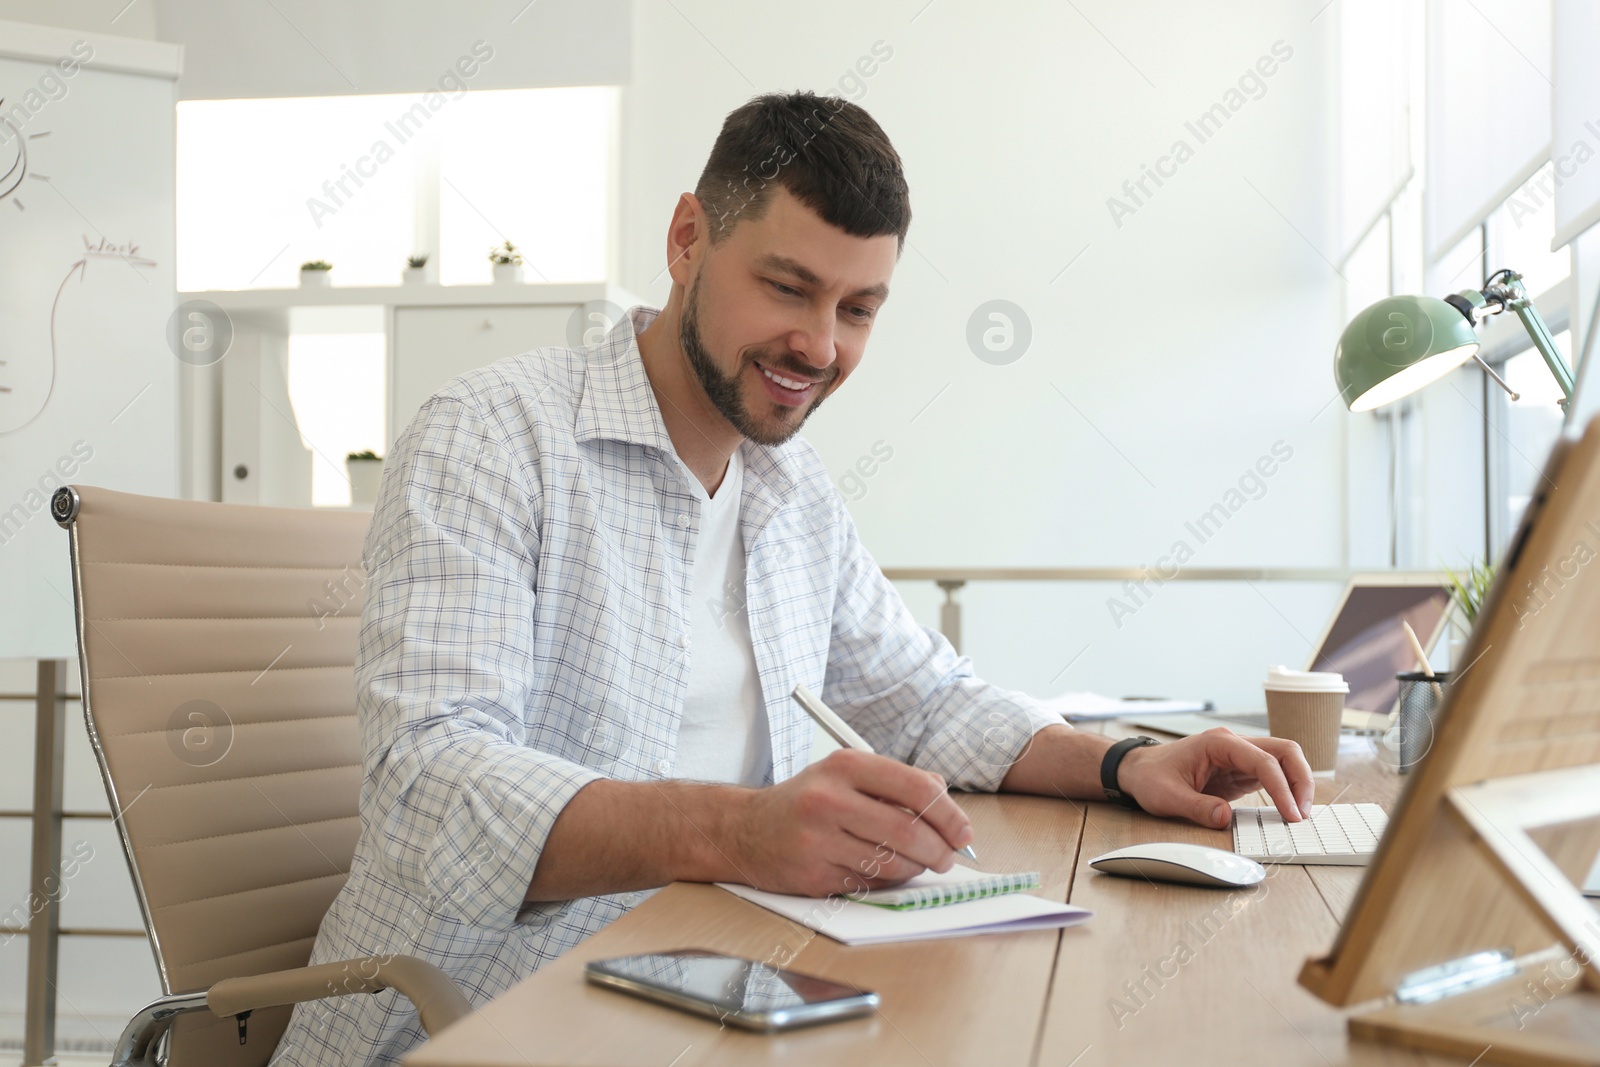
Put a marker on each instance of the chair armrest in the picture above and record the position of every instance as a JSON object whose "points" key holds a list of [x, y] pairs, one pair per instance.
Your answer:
{"points": [[436, 998], [137, 1045]]}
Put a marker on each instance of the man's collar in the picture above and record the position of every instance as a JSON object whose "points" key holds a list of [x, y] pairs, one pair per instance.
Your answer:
{"points": [[619, 404]]}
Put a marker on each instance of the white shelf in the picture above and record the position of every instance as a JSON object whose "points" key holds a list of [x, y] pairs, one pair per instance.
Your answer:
{"points": [[108, 51], [232, 300]]}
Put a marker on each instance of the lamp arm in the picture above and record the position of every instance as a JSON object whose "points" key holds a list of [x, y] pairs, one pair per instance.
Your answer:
{"points": [[1540, 333]]}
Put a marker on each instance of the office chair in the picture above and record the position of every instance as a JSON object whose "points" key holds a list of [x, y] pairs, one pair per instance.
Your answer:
{"points": [[217, 646]]}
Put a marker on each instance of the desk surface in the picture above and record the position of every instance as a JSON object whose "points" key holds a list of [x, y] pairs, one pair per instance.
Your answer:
{"points": [[1161, 974]]}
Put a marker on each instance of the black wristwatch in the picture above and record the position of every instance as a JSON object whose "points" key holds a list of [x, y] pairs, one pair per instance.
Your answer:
{"points": [[1113, 760]]}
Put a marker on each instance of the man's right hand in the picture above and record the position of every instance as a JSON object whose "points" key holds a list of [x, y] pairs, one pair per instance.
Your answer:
{"points": [[843, 825]]}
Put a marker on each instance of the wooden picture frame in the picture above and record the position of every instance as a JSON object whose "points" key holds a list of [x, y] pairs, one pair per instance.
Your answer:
{"points": [[1498, 825]]}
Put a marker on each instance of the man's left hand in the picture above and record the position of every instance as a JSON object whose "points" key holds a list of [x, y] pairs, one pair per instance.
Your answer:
{"points": [[1195, 777]]}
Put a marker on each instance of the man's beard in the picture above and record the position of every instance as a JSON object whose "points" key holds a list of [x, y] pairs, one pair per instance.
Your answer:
{"points": [[725, 392]]}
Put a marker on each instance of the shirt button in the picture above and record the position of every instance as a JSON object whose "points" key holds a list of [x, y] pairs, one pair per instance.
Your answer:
{"points": [[663, 766], [683, 522], [683, 640]]}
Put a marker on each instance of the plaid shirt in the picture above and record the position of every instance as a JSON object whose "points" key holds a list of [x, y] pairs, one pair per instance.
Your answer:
{"points": [[526, 631]]}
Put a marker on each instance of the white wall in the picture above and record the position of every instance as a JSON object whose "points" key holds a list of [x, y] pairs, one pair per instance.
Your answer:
{"points": [[1189, 340], [316, 48], [119, 17], [244, 48], [1017, 123]]}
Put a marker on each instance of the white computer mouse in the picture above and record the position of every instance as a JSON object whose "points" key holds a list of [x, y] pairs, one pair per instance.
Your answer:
{"points": [[1170, 861]]}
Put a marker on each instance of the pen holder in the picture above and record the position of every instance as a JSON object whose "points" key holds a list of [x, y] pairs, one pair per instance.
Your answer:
{"points": [[1420, 697]]}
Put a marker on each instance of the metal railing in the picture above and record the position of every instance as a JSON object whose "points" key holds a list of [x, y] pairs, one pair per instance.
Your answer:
{"points": [[952, 579], [43, 928]]}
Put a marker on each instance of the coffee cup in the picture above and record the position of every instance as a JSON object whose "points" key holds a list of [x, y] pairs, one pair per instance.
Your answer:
{"points": [[1307, 707]]}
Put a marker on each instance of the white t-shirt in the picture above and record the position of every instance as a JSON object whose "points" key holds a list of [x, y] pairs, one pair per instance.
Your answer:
{"points": [[724, 736]]}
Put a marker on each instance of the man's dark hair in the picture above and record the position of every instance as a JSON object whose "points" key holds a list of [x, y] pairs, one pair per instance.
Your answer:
{"points": [[829, 153]]}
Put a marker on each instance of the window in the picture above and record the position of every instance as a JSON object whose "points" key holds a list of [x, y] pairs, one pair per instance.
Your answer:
{"points": [[1461, 267], [1460, 459], [336, 386], [258, 192], [1526, 430], [1380, 212], [1368, 270], [1520, 231], [531, 167], [364, 181], [1521, 432]]}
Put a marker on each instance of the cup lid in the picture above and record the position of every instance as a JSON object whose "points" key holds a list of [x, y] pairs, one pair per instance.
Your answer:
{"points": [[1285, 680]]}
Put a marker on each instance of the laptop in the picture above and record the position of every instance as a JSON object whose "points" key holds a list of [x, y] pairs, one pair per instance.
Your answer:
{"points": [[1362, 641]]}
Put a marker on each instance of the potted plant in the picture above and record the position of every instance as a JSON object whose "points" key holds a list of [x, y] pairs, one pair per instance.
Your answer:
{"points": [[507, 262], [1468, 591], [416, 272], [366, 471], [316, 274]]}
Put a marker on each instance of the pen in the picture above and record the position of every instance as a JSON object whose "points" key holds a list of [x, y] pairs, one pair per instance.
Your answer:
{"points": [[1422, 657], [840, 731]]}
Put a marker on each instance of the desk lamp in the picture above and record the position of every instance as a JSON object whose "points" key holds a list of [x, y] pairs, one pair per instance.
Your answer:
{"points": [[1404, 343]]}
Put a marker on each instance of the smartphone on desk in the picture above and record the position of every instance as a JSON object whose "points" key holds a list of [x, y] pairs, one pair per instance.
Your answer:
{"points": [[740, 992]]}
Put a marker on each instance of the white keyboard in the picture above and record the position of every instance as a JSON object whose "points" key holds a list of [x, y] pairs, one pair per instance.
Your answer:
{"points": [[1344, 834]]}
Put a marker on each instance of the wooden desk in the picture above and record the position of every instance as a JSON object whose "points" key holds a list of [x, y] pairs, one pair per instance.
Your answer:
{"points": [[1162, 974]]}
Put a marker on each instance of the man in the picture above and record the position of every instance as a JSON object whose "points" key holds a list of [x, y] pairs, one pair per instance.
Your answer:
{"points": [[597, 576]]}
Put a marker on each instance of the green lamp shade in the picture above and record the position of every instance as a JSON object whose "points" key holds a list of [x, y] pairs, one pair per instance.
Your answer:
{"points": [[1397, 346]]}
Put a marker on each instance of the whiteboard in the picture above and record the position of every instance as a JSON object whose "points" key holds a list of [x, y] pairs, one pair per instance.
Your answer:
{"points": [[88, 386]]}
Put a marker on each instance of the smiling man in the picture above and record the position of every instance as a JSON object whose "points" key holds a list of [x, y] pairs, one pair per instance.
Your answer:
{"points": [[596, 576]]}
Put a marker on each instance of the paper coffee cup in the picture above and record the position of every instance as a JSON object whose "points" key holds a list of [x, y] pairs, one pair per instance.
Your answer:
{"points": [[1306, 707]]}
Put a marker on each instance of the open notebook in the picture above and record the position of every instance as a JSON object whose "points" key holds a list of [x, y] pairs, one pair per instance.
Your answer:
{"points": [[991, 911]]}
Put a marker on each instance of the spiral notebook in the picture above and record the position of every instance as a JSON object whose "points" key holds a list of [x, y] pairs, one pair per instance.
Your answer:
{"points": [[972, 886], [966, 909]]}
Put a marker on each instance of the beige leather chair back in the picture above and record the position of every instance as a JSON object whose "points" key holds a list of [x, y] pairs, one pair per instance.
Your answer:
{"points": [[217, 648]]}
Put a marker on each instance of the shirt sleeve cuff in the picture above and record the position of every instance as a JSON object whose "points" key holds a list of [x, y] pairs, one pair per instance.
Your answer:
{"points": [[489, 846], [976, 754]]}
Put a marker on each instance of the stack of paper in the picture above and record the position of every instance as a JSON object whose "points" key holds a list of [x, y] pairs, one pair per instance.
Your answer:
{"points": [[1084, 707], [865, 924]]}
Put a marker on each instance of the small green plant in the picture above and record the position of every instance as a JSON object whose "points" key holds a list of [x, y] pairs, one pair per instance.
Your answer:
{"points": [[417, 262], [1471, 588], [368, 454], [316, 264], [505, 255]]}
